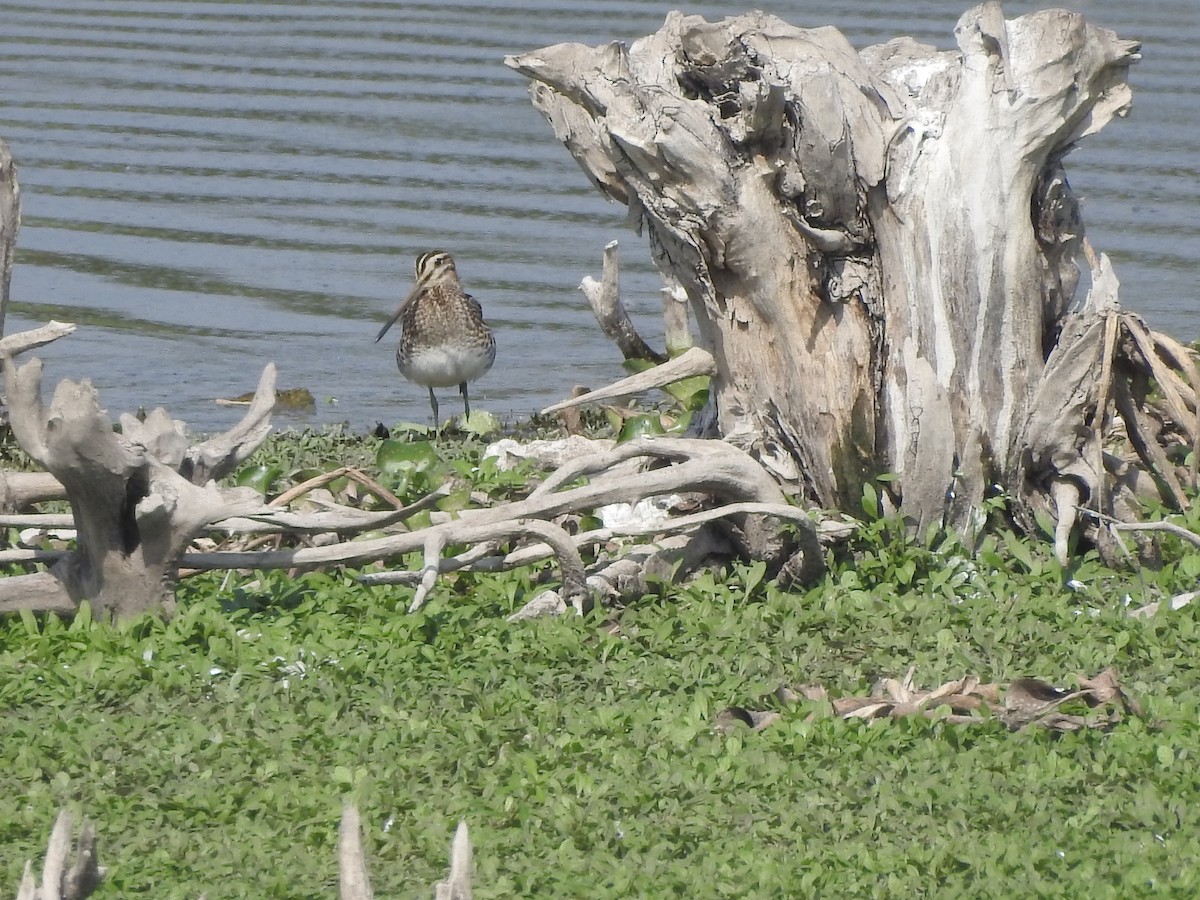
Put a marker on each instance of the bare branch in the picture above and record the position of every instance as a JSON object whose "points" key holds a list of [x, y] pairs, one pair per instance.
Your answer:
{"points": [[59, 882], [217, 457], [23, 341], [1170, 527], [695, 361], [605, 299]]}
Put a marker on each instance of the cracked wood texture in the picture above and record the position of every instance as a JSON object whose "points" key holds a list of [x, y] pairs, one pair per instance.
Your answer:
{"points": [[878, 246], [138, 497]]}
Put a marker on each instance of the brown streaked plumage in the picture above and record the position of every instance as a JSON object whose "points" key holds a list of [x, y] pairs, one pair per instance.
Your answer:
{"points": [[444, 340]]}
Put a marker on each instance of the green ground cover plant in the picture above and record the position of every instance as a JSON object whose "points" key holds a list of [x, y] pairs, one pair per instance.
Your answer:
{"points": [[214, 750]]}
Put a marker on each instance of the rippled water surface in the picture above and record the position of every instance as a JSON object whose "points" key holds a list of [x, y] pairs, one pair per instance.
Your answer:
{"points": [[208, 186]]}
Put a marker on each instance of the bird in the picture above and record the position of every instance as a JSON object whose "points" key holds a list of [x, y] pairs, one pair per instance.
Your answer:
{"points": [[444, 340]]}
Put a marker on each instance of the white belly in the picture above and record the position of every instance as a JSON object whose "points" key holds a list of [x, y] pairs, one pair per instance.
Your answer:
{"points": [[447, 366]]}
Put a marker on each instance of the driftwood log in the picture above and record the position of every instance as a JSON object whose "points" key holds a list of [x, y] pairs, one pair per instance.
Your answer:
{"points": [[141, 496], [138, 497], [879, 250]]}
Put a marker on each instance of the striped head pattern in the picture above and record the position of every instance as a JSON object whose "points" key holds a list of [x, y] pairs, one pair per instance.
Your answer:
{"points": [[435, 267]]}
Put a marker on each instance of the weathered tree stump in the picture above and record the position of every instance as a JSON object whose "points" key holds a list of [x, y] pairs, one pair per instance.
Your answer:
{"points": [[879, 251], [138, 497]]}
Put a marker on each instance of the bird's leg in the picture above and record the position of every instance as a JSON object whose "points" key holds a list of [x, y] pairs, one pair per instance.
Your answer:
{"points": [[434, 406], [462, 389]]}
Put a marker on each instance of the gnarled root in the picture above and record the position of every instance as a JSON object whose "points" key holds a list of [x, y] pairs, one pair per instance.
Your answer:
{"points": [[1076, 416], [745, 495], [138, 497]]}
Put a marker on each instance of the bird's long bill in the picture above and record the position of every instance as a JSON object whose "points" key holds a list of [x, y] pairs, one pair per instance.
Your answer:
{"points": [[396, 315]]}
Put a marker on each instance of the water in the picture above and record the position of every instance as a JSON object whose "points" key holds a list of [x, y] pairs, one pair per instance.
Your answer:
{"points": [[208, 186]]}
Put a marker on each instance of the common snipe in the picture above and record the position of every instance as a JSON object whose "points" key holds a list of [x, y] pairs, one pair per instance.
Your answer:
{"points": [[444, 340]]}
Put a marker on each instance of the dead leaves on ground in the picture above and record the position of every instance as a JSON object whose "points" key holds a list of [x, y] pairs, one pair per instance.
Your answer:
{"points": [[1098, 702]]}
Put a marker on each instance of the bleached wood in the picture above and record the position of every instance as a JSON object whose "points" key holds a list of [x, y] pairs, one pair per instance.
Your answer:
{"points": [[854, 233], [10, 224], [695, 361], [57, 881], [134, 503], [677, 333], [353, 881], [20, 489], [458, 885], [604, 296], [23, 341], [707, 466]]}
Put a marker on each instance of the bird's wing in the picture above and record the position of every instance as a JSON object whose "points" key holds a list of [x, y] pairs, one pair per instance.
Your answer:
{"points": [[474, 305]]}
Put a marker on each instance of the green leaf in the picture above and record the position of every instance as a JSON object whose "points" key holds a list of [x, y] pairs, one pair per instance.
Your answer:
{"points": [[870, 501], [640, 426], [685, 389], [753, 576], [261, 477], [480, 423], [636, 366], [396, 456]]}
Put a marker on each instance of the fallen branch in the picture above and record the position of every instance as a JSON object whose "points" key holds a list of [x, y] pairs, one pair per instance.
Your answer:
{"points": [[709, 467], [24, 341], [604, 296], [695, 361], [1170, 527]]}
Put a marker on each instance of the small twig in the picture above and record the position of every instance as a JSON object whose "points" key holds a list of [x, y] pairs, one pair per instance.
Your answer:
{"points": [[375, 487], [1170, 527], [351, 472]]}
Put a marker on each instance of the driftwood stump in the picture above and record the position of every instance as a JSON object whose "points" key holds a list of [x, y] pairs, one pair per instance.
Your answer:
{"points": [[138, 496], [10, 224], [879, 249]]}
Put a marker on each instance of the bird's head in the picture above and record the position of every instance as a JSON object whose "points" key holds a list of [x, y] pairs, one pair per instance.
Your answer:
{"points": [[433, 267]]}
